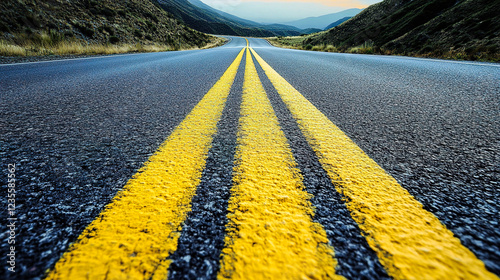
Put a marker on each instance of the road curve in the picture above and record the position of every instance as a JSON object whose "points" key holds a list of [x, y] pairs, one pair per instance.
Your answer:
{"points": [[78, 130]]}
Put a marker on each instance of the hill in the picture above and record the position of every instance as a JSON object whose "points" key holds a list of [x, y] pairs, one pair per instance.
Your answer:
{"points": [[322, 22], [204, 18], [310, 30], [50, 24], [338, 22], [463, 29], [228, 16], [278, 29]]}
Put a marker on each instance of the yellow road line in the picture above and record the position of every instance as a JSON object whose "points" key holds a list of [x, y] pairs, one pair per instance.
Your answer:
{"points": [[410, 242], [136, 233], [270, 234]]}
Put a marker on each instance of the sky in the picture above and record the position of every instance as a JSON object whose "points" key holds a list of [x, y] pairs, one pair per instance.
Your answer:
{"points": [[277, 11]]}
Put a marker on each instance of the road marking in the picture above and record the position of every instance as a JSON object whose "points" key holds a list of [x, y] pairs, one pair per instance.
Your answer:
{"points": [[70, 59], [491, 64], [270, 233], [430, 59], [137, 232], [410, 242]]}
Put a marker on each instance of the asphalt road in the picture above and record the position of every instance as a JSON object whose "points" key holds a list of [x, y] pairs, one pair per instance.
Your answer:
{"points": [[78, 130]]}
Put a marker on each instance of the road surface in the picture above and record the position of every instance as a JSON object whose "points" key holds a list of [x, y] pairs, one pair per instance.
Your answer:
{"points": [[256, 162]]}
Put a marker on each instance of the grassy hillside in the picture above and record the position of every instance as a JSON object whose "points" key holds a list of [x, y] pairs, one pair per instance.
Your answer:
{"points": [[39, 27], [211, 21], [463, 29]]}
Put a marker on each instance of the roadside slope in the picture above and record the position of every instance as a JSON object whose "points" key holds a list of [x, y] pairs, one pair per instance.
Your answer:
{"points": [[464, 29], [44, 25]]}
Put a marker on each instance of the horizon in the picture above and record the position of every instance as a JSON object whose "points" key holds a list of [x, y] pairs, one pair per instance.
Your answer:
{"points": [[282, 11]]}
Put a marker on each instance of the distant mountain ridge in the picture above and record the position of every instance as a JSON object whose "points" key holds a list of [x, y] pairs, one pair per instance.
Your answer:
{"points": [[468, 28], [204, 18], [202, 5], [338, 22], [322, 22]]}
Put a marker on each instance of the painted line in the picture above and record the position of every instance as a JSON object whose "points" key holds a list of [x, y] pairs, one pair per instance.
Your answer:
{"points": [[91, 57], [72, 59], [436, 60], [137, 232], [95, 57], [492, 64], [410, 242], [270, 233], [487, 64]]}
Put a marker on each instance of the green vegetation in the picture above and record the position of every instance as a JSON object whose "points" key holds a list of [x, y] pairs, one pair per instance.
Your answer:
{"points": [[295, 42], [37, 27], [451, 29]]}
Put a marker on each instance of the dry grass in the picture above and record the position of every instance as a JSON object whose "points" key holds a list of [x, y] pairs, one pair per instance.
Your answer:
{"points": [[297, 42], [76, 48], [7, 49], [365, 48], [331, 48], [294, 42], [324, 48], [486, 54], [48, 44]]}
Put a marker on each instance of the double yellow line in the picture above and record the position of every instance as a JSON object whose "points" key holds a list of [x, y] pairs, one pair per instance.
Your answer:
{"points": [[271, 233], [137, 232]]}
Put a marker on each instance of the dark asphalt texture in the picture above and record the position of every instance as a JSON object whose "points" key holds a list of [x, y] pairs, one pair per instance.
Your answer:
{"points": [[77, 130], [433, 125], [202, 236]]}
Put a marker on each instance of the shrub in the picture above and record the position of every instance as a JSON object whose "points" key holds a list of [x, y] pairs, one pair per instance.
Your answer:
{"points": [[4, 27], [55, 37], [366, 48], [137, 33], [89, 32], [318, 48], [330, 48], [109, 29], [109, 13], [68, 34], [114, 40]]}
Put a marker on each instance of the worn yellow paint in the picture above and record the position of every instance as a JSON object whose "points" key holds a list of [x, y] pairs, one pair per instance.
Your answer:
{"points": [[410, 242], [270, 233], [136, 233]]}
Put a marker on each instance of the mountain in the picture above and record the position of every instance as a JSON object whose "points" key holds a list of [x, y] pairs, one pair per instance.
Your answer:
{"points": [[310, 31], [92, 21], [228, 16], [322, 22], [468, 29], [338, 22], [278, 29], [204, 18]]}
